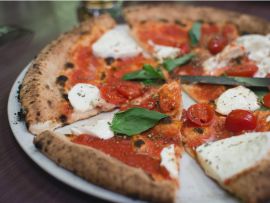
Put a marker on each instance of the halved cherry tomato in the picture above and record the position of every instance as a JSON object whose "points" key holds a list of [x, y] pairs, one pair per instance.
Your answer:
{"points": [[217, 44], [245, 70], [240, 120], [129, 90], [266, 100], [201, 114]]}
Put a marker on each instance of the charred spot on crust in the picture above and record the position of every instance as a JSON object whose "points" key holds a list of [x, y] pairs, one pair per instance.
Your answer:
{"points": [[61, 80], [109, 60], [138, 143], [38, 114], [38, 144], [69, 65], [63, 118], [166, 120], [21, 115], [65, 96], [18, 93]]}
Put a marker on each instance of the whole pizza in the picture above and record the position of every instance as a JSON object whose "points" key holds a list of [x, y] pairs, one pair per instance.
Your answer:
{"points": [[135, 70]]}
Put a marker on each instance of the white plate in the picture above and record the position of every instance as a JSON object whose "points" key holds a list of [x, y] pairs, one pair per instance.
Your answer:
{"points": [[195, 186]]}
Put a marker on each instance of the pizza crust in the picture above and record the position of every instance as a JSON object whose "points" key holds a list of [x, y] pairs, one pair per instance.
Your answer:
{"points": [[40, 97], [252, 186], [172, 12], [103, 170]]}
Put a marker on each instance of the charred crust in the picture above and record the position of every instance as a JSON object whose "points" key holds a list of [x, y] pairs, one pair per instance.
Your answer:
{"points": [[38, 144], [63, 118], [69, 65], [61, 80], [65, 96]]}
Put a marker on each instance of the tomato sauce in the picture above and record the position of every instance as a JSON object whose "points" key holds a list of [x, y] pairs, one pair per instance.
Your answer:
{"points": [[118, 91], [88, 67], [123, 150], [166, 34]]}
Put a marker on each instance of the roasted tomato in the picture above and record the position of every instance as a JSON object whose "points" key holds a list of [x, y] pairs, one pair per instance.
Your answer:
{"points": [[217, 44], [201, 114], [111, 95], [240, 120], [266, 100], [245, 70], [129, 90]]}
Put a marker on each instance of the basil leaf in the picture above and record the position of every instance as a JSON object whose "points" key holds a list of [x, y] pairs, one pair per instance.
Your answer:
{"points": [[195, 33], [171, 64], [135, 120], [260, 94], [148, 75]]}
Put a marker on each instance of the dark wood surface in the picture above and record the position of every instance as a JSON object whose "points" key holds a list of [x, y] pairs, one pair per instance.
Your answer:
{"points": [[21, 180]]}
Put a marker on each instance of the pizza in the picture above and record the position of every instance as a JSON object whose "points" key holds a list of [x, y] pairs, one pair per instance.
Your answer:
{"points": [[132, 70]]}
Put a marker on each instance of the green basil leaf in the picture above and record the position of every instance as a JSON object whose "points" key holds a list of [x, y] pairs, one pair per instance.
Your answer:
{"points": [[148, 75], [195, 33], [171, 64], [260, 94], [135, 120]]}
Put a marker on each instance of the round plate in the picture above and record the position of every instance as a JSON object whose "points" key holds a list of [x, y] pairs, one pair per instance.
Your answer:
{"points": [[195, 186]]}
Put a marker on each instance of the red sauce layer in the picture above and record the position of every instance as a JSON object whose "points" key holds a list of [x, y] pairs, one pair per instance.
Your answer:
{"points": [[124, 150]]}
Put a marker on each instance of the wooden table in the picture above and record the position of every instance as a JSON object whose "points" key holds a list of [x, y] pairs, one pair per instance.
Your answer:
{"points": [[21, 180]]}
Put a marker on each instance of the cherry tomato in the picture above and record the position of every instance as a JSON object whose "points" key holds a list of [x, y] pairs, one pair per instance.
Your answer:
{"points": [[217, 44], [129, 90], [111, 95], [246, 70], [240, 120], [201, 114], [266, 100]]}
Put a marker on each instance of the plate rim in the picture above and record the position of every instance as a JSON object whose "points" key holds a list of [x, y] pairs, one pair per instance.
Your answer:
{"points": [[92, 189]]}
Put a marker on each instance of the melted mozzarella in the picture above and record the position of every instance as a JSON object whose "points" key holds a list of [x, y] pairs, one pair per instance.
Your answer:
{"points": [[255, 47], [116, 43], [222, 59], [100, 129], [226, 158], [236, 98], [84, 97], [163, 52], [169, 161], [268, 119]]}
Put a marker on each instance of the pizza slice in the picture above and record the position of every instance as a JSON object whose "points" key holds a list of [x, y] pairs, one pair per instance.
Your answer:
{"points": [[230, 140], [80, 75], [135, 160]]}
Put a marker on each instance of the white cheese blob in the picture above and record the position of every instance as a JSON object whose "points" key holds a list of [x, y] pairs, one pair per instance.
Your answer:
{"points": [[268, 119], [222, 59], [100, 129], [236, 98], [84, 97], [116, 43], [163, 52], [169, 161], [257, 48], [226, 158]]}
